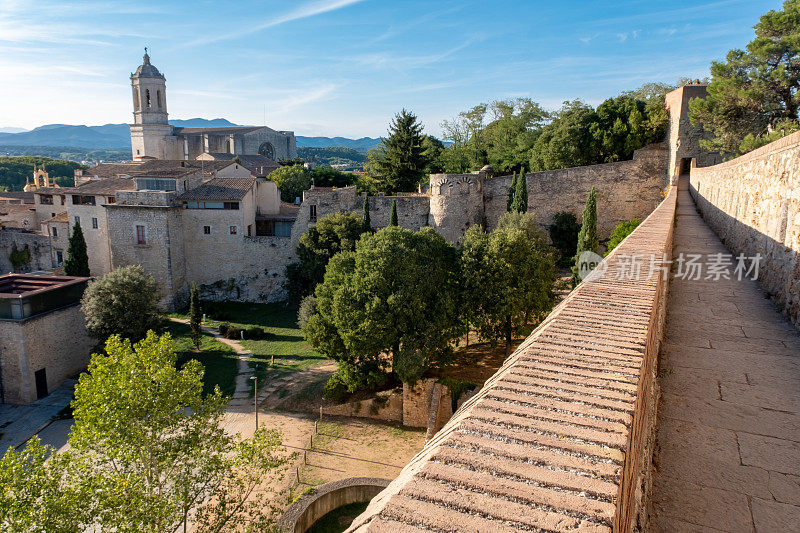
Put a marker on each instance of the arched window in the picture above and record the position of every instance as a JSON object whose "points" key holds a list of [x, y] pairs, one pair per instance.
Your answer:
{"points": [[136, 100], [147, 98], [158, 99], [266, 149]]}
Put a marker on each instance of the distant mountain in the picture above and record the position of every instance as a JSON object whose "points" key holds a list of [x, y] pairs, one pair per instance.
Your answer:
{"points": [[118, 136], [11, 129], [362, 145]]}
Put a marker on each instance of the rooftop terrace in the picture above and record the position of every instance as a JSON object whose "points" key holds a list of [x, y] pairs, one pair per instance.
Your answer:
{"points": [[24, 295]]}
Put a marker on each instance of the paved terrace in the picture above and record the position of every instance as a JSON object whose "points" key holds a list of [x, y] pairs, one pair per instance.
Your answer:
{"points": [[556, 440], [729, 421]]}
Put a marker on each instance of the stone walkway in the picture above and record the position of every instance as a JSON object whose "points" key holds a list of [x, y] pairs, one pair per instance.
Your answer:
{"points": [[728, 448]]}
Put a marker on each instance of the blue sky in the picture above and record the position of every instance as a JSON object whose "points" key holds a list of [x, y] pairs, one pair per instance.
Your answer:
{"points": [[343, 67]]}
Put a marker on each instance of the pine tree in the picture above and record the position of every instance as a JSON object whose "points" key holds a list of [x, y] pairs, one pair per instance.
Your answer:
{"points": [[511, 191], [400, 161], [588, 239], [365, 221], [393, 217], [77, 261], [520, 203], [194, 316]]}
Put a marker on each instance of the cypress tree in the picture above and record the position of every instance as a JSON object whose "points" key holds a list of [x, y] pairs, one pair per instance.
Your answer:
{"points": [[77, 261], [588, 239], [520, 203], [194, 316], [393, 217], [511, 191], [365, 221]]}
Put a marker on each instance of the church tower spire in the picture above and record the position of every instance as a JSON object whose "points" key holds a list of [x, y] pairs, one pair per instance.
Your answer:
{"points": [[151, 134]]}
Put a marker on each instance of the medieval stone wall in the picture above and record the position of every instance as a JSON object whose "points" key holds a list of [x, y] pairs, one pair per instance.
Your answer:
{"points": [[38, 246], [753, 204], [625, 190]]}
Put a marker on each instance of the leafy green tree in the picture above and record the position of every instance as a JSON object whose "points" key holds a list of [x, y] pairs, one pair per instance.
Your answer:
{"points": [[330, 235], [507, 275], [397, 294], [327, 176], [15, 171], [511, 192], [520, 203], [588, 238], [567, 141], [622, 230], [194, 316], [564, 236], [365, 220], [43, 490], [755, 91], [124, 302], [432, 149], [393, 216], [77, 261], [158, 449], [292, 180], [400, 162]]}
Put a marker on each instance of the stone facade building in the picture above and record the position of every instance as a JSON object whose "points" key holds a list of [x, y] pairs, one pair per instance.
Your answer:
{"points": [[152, 137], [35, 354]]}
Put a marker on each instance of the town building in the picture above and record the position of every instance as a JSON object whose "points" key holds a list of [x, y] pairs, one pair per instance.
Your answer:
{"points": [[35, 354]]}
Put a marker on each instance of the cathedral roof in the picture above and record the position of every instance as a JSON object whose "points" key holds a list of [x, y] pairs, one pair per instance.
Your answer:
{"points": [[219, 130], [146, 70]]}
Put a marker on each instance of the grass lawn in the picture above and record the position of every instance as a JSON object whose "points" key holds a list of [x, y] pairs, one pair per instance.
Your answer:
{"points": [[220, 361], [291, 351]]}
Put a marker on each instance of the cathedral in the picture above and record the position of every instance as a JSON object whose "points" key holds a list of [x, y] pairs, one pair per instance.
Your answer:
{"points": [[152, 137]]}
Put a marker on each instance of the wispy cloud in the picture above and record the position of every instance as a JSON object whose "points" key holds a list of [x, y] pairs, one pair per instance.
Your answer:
{"points": [[309, 9]]}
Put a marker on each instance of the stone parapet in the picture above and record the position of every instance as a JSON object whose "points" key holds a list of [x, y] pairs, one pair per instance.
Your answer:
{"points": [[561, 437], [753, 204]]}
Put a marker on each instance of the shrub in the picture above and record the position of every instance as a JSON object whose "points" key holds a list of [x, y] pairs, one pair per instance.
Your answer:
{"points": [[233, 333], [620, 232], [223, 328], [335, 389], [308, 306], [257, 333]]}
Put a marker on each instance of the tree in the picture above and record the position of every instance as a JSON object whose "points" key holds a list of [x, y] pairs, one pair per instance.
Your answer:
{"points": [[564, 236], [157, 448], [124, 302], [393, 216], [395, 300], [520, 203], [400, 161], [42, 490], [330, 235], [588, 239], [511, 192], [365, 221], [194, 316], [507, 274], [292, 180], [77, 261], [755, 91], [622, 230]]}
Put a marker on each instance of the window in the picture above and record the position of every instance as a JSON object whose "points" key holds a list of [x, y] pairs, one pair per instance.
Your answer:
{"points": [[141, 237], [46, 199], [78, 199], [59, 257], [213, 205], [312, 213], [273, 228], [52, 215], [249, 230], [158, 99], [54, 231], [206, 230], [232, 205], [78, 220], [147, 97], [233, 230], [61, 199], [155, 184], [112, 200], [94, 223]]}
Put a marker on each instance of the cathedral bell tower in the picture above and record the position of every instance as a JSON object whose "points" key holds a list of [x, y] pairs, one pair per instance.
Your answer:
{"points": [[150, 132]]}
